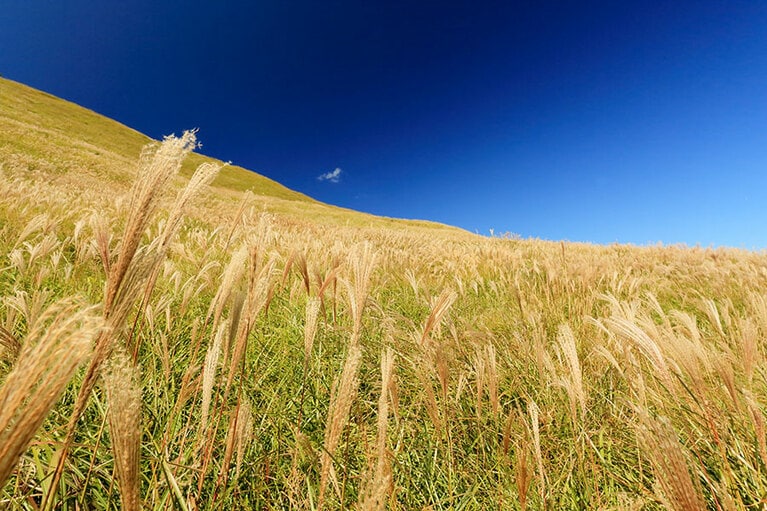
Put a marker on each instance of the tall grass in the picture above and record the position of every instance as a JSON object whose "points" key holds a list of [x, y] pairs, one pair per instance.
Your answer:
{"points": [[233, 358], [121, 381], [58, 341]]}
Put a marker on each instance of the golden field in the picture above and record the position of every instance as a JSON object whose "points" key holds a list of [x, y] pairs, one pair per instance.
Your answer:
{"points": [[175, 334]]}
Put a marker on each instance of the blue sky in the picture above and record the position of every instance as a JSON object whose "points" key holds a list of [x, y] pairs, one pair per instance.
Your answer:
{"points": [[604, 122]]}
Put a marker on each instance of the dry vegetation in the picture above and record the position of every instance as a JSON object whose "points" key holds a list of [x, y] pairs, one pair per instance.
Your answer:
{"points": [[233, 359]]}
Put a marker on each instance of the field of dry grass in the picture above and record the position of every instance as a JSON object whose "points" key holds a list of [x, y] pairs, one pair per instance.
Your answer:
{"points": [[165, 344]]}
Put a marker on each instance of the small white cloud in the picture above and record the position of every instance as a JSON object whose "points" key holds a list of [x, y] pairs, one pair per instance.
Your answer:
{"points": [[333, 177]]}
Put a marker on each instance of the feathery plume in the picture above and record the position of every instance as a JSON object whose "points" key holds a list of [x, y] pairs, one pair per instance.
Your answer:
{"points": [[158, 164], [646, 345], [244, 431], [570, 352], [123, 388], [661, 445], [310, 328], [533, 411], [129, 273], [378, 484], [209, 374], [9, 344], [341, 399], [441, 305], [57, 343], [362, 262]]}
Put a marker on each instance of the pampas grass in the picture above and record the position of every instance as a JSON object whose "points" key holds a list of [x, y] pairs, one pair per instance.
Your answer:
{"points": [[57, 343], [9, 345], [574, 381], [378, 484], [341, 399], [122, 385], [310, 328], [529, 374], [362, 261], [535, 426], [132, 268], [661, 445]]}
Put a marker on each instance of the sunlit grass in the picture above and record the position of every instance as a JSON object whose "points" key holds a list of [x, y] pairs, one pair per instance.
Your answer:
{"points": [[297, 360]]}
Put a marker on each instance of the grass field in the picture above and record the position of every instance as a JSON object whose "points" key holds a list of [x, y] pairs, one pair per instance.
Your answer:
{"points": [[169, 341]]}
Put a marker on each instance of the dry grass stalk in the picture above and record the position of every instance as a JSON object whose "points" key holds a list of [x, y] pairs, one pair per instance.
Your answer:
{"points": [[310, 328], [10, 319], [232, 274], [660, 443], [412, 280], [610, 358], [30, 307], [442, 370], [438, 311], [209, 375], [203, 176], [128, 275], [229, 449], [393, 390], [243, 433], [9, 344], [341, 399], [486, 370], [123, 388], [532, 409], [749, 348], [188, 388], [543, 362], [574, 383], [479, 370], [247, 200], [57, 343], [362, 261], [491, 368], [726, 372], [378, 484], [40, 222], [259, 288], [649, 348], [260, 285], [758, 305], [436, 358], [330, 280], [303, 268], [157, 166], [711, 310], [523, 475], [757, 421], [681, 347]]}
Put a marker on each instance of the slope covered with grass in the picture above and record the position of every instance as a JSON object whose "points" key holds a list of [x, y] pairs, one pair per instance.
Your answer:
{"points": [[170, 346], [63, 136], [48, 136]]}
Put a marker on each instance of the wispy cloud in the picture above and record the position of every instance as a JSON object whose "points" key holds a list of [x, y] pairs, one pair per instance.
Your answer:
{"points": [[333, 177]]}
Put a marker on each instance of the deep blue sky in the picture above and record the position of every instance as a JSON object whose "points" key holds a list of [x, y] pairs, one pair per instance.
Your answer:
{"points": [[588, 121]]}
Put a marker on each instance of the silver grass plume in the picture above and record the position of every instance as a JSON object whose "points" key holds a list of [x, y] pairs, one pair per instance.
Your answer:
{"points": [[57, 343]]}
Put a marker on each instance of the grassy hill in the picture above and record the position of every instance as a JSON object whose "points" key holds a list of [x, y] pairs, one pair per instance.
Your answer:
{"points": [[44, 133], [66, 135], [168, 345]]}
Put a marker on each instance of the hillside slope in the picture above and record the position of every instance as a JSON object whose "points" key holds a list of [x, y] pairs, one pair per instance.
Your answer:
{"points": [[45, 134], [318, 358]]}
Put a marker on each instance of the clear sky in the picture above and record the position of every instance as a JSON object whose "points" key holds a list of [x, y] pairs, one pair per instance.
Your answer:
{"points": [[587, 121]]}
